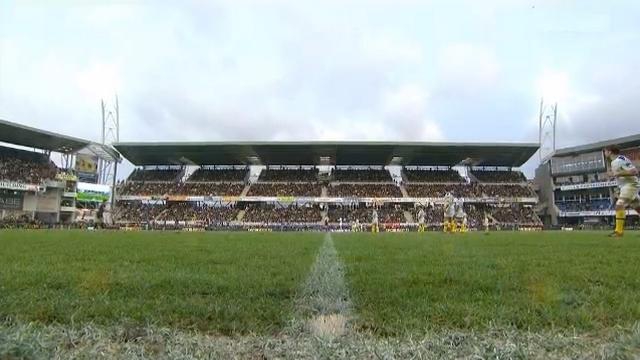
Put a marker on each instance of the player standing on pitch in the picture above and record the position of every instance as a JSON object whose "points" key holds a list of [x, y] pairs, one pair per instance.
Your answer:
{"points": [[421, 217], [461, 217], [486, 224], [449, 213], [626, 175], [374, 221]]}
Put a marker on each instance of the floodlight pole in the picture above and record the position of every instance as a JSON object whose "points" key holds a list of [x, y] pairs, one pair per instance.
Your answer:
{"points": [[110, 135], [547, 122]]}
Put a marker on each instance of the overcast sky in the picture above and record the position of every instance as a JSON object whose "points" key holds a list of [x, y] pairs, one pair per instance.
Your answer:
{"points": [[323, 70]]}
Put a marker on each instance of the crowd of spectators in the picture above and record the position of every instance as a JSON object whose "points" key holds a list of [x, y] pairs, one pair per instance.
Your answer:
{"points": [[592, 205], [365, 190], [472, 190], [190, 211], [507, 191], [137, 211], [289, 175], [433, 176], [285, 189], [146, 188], [515, 214], [219, 175], [207, 189], [267, 213], [25, 167], [390, 214], [490, 176], [440, 190], [369, 175], [351, 213], [19, 221], [155, 175], [582, 179]]}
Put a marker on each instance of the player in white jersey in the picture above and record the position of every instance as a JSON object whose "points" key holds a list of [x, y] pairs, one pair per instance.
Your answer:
{"points": [[374, 221], [626, 175], [449, 213], [461, 217], [421, 220], [486, 224]]}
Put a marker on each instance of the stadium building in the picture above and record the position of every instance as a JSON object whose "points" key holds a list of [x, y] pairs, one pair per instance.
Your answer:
{"points": [[263, 185], [318, 184], [574, 188], [34, 190]]}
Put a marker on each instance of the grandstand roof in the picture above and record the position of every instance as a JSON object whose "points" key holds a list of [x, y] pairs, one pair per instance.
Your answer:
{"points": [[624, 142], [23, 135], [328, 153]]}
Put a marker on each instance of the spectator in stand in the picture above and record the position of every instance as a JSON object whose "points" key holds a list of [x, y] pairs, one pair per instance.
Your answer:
{"points": [[370, 175], [433, 176], [488, 176], [155, 175], [516, 214], [365, 190], [136, 211], [271, 214], [472, 190], [207, 189], [194, 212], [25, 167], [219, 175], [285, 189], [289, 175]]}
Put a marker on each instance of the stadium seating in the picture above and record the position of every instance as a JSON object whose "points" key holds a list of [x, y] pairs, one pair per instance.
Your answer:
{"points": [[188, 211], [155, 175], [137, 211], [146, 189], [489, 176], [348, 214], [266, 213], [432, 176], [358, 175], [289, 175], [207, 189], [285, 189], [515, 214], [25, 166], [593, 205], [472, 190], [364, 190], [218, 175]]}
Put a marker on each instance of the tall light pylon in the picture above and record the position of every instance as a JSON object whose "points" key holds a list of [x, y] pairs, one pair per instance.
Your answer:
{"points": [[110, 135], [547, 130]]}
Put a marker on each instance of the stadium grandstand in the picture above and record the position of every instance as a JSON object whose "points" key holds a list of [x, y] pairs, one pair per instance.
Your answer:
{"points": [[34, 190], [315, 185], [575, 190]]}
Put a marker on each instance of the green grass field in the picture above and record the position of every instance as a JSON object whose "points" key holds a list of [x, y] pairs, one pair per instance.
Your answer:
{"points": [[539, 281], [231, 283], [239, 283]]}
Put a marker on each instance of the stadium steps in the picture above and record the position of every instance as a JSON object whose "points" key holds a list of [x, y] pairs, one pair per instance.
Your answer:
{"points": [[324, 191], [240, 215], [245, 191], [404, 191], [408, 217], [189, 170], [472, 177], [491, 218]]}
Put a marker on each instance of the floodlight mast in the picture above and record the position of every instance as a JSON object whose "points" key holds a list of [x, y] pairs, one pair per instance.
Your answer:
{"points": [[547, 130], [110, 135]]}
